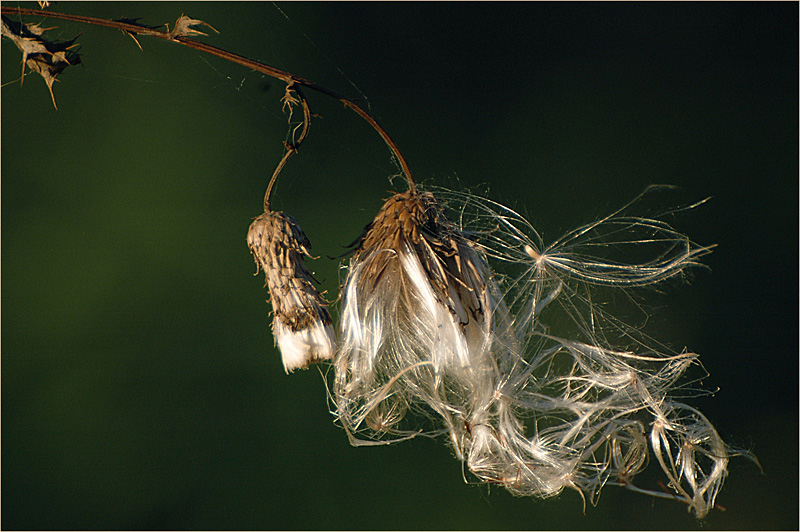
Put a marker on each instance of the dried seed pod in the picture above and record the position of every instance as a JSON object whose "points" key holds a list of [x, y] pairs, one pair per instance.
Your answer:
{"points": [[301, 324]]}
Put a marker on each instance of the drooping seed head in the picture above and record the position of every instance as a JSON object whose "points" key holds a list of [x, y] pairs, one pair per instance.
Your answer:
{"points": [[412, 227], [301, 324], [426, 331], [419, 307]]}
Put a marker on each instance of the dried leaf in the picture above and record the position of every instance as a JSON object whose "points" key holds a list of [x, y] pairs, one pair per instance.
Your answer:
{"points": [[47, 71], [46, 58], [37, 29]]}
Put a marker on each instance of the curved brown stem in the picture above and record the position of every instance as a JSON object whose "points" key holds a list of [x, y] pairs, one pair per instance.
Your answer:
{"points": [[289, 78], [291, 147]]}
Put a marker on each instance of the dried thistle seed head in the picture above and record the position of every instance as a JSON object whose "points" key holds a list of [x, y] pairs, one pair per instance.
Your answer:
{"points": [[415, 222], [301, 324], [418, 322]]}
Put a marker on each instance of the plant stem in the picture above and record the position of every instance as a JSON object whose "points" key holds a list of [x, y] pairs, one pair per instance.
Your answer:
{"points": [[291, 147], [287, 77]]}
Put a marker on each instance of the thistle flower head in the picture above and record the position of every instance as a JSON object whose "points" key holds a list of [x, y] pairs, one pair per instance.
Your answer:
{"points": [[418, 307], [436, 263], [301, 324]]}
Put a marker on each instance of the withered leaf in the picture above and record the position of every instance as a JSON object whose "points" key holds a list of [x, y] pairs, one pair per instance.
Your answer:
{"points": [[45, 57]]}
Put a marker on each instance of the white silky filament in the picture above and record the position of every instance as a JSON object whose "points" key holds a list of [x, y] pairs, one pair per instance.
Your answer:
{"points": [[433, 341]]}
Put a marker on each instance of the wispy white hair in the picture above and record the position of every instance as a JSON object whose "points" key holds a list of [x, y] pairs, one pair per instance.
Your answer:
{"points": [[524, 408]]}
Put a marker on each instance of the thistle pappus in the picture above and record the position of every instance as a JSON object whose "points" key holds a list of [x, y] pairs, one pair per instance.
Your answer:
{"points": [[301, 324], [433, 341], [418, 307]]}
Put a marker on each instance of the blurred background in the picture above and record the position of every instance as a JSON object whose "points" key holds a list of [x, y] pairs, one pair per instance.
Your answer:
{"points": [[140, 385]]}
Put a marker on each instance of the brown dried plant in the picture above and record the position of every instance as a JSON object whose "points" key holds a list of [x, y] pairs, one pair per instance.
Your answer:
{"points": [[429, 333], [301, 325]]}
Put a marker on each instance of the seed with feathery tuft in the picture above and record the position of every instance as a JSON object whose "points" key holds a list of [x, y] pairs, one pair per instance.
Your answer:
{"points": [[301, 325], [416, 222], [419, 309]]}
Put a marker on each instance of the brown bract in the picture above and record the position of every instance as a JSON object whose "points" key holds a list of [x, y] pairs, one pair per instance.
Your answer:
{"points": [[278, 245], [416, 222]]}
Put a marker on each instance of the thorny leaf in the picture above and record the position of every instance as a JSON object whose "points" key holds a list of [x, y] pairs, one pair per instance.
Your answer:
{"points": [[37, 29], [26, 38], [46, 58], [183, 27]]}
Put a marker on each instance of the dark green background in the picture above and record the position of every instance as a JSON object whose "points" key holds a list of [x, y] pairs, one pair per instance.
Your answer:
{"points": [[140, 386]]}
